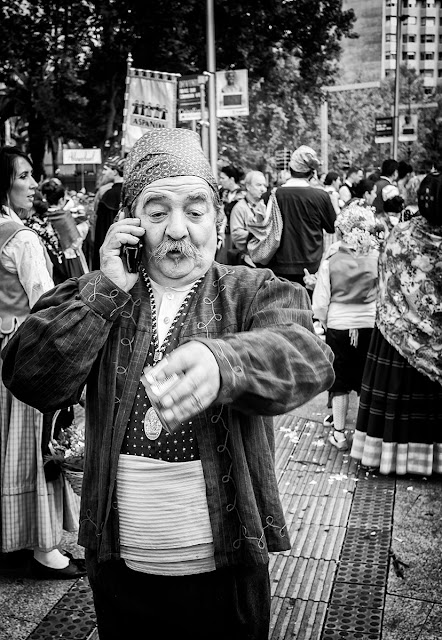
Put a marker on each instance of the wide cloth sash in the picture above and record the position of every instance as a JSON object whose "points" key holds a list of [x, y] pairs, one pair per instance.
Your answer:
{"points": [[164, 519]]}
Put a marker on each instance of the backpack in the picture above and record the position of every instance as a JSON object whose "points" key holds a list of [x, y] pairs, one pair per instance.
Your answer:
{"points": [[429, 198]]}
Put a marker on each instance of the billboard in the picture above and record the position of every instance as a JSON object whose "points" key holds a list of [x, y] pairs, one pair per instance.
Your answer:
{"points": [[81, 156], [407, 127]]}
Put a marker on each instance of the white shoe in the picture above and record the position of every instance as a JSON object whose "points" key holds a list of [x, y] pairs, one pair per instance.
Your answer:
{"points": [[342, 445]]}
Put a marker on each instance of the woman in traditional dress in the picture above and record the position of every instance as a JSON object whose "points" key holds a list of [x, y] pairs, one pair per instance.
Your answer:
{"points": [[33, 510], [398, 428]]}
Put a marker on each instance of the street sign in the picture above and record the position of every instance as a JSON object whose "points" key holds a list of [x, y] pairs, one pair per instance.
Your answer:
{"points": [[383, 130], [189, 97], [81, 156]]}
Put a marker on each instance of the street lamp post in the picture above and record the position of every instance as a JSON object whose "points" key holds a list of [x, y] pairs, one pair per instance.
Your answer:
{"points": [[211, 68], [397, 80]]}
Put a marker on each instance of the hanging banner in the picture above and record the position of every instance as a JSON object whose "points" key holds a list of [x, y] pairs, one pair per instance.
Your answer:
{"points": [[232, 93], [150, 103]]}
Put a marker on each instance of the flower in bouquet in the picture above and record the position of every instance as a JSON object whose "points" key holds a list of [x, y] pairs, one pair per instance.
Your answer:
{"points": [[67, 449], [357, 225]]}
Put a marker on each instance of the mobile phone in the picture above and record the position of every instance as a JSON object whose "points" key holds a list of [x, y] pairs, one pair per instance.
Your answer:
{"points": [[131, 254]]}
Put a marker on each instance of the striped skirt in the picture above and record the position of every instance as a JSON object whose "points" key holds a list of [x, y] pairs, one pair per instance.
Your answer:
{"points": [[34, 511], [399, 424]]}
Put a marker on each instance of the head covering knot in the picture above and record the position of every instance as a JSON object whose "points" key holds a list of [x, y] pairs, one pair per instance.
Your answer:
{"points": [[164, 153], [304, 159]]}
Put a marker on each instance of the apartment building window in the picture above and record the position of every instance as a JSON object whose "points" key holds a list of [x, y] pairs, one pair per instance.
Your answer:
{"points": [[428, 37], [409, 20], [390, 37], [440, 55], [391, 3], [391, 21], [428, 21], [388, 72], [408, 37], [440, 38], [439, 73], [427, 56], [390, 56], [427, 73], [408, 55]]}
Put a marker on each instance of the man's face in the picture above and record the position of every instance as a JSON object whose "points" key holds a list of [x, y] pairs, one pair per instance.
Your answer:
{"points": [[257, 187], [357, 177], [179, 218], [337, 183], [230, 77], [108, 174]]}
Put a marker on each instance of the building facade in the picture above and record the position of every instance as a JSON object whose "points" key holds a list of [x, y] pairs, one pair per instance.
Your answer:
{"points": [[372, 56]]}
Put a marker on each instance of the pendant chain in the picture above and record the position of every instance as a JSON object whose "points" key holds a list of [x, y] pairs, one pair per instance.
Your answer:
{"points": [[159, 350]]}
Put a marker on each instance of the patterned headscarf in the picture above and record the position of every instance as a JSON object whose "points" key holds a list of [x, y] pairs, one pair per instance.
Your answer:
{"points": [[304, 159], [164, 153]]}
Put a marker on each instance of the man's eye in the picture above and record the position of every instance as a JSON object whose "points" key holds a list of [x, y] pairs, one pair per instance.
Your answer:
{"points": [[195, 212]]}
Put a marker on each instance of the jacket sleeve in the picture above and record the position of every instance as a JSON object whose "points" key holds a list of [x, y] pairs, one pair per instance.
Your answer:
{"points": [[64, 333], [276, 363]]}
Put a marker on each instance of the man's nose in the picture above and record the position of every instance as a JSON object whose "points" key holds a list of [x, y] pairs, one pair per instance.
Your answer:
{"points": [[177, 225]]}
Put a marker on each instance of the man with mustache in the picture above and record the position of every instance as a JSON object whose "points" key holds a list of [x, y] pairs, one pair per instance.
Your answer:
{"points": [[185, 361]]}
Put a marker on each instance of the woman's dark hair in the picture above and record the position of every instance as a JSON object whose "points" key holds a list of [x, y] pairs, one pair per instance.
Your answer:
{"points": [[52, 191], [394, 205], [331, 177], [232, 172], [8, 158], [404, 169], [365, 185]]}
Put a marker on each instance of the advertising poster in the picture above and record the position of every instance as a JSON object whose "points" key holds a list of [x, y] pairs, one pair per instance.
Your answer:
{"points": [[232, 93], [407, 127]]}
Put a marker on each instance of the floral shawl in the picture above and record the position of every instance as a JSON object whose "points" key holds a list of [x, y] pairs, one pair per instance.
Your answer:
{"points": [[44, 229], [409, 312]]}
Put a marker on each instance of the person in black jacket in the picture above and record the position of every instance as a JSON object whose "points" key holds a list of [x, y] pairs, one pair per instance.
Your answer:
{"points": [[306, 212]]}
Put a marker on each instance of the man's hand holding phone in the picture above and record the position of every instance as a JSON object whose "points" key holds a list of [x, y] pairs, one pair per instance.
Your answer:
{"points": [[114, 261]]}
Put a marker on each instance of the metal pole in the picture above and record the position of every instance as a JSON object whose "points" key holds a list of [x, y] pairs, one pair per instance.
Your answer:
{"points": [[397, 80], [324, 134], [211, 68], [126, 104], [204, 122]]}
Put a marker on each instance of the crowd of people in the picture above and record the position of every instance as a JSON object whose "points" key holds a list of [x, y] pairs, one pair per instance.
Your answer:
{"points": [[247, 300]]}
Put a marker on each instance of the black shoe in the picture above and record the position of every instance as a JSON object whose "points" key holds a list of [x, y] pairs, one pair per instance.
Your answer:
{"points": [[72, 572]]}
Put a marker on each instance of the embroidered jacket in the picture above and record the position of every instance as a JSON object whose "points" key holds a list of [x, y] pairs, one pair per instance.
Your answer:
{"points": [[260, 331]]}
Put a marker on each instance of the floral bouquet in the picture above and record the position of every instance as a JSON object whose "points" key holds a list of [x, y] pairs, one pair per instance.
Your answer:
{"points": [[358, 228], [66, 453]]}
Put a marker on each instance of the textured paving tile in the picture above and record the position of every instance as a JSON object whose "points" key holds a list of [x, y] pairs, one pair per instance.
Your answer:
{"points": [[405, 618], [14, 628]]}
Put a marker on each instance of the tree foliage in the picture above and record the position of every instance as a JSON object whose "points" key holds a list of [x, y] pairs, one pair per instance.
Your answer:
{"points": [[63, 63]]}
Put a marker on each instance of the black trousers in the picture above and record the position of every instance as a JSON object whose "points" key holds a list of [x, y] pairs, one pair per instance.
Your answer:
{"points": [[226, 604]]}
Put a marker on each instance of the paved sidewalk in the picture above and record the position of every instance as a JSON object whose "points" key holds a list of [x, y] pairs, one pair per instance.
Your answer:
{"points": [[364, 564]]}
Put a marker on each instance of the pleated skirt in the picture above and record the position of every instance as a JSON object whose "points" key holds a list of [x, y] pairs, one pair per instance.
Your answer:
{"points": [[34, 511], [399, 423]]}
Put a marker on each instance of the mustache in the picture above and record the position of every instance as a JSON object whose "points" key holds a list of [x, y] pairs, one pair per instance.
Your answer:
{"points": [[187, 248]]}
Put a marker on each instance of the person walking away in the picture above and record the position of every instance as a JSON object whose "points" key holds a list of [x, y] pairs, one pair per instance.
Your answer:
{"points": [[246, 210], [33, 510], [344, 301], [185, 362], [400, 412], [306, 212]]}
